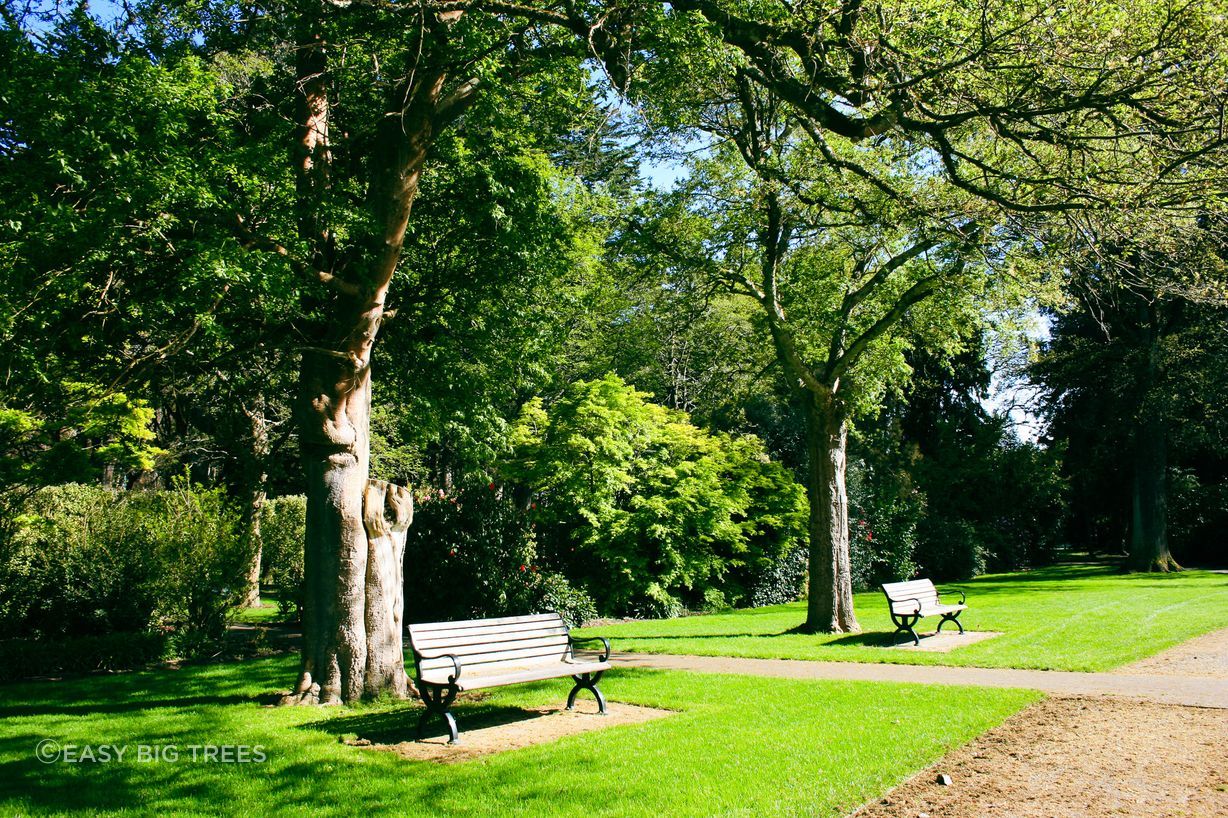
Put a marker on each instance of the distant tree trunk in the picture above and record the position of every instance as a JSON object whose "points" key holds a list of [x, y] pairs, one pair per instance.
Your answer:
{"points": [[1149, 489], [256, 478], [829, 606]]}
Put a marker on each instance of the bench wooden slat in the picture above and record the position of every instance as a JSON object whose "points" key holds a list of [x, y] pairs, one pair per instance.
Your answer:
{"points": [[556, 651], [423, 627], [516, 676], [467, 635], [556, 641]]}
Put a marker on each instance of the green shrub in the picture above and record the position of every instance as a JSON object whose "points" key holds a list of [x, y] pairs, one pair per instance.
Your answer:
{"points": [[783, 581], [643, 509], [283, 534], [573, 604], [77, 565], [949, 549], [201, 560], [84, 561], [714, 601], [469, 553], [656, 603]]}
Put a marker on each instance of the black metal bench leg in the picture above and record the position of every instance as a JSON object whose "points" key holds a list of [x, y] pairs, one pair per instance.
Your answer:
{"points": [[438, 699], [949, 618], [904, 625], [587, 681]]}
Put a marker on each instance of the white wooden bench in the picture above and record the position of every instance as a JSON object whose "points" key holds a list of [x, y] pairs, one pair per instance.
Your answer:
{"points": [[455, 656], [911, 601]]}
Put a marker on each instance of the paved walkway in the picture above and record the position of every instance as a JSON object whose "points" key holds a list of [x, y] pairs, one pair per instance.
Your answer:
{"points": [[1193, 691]]}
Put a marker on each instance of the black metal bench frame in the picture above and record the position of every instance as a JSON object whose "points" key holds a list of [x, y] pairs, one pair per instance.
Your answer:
{"points": [[438, 698]]}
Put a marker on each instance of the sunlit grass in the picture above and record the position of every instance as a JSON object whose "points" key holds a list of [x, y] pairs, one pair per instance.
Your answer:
{"points": [[1070, 617], [737, 746]]}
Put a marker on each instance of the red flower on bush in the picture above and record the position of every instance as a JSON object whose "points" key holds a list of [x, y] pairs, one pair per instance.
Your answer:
{"points": [[491, 487], [522, 568]]}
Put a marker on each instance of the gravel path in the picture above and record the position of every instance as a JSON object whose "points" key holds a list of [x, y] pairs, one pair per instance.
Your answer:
{"points": [[1161, 689], [1078, 758]]}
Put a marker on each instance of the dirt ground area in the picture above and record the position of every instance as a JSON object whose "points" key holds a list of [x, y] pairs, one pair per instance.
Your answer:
{"points": [[934, 642], [1205, 655], [1079, 758], [526, 728]]}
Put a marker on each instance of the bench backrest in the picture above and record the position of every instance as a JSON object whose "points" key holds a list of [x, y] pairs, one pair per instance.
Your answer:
{"points": [[904, 596], [486, 645]]}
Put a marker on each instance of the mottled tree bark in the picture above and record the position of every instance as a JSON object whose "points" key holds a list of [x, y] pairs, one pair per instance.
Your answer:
{"points": [[356, 527], [829, 605]]}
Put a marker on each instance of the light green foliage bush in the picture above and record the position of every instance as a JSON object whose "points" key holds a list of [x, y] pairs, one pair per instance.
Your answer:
{"points": [[557, 594], [85, 561], [643, 509]]}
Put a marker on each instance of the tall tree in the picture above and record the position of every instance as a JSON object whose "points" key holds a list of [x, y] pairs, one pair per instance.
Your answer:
{"points": [[1030, 108], [374, 85]]}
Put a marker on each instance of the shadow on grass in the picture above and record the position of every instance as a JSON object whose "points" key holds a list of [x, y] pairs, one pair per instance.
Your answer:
{"points": [[869, 639], [192, 685], [401, 724], [616, 640], [128, 706]]}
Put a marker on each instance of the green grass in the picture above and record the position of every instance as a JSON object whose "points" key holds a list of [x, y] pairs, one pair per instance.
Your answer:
{"points": [[737, 746], [1069, 617], [266, 614]]}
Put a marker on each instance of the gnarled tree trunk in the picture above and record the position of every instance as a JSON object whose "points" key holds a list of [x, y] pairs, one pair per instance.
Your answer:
{"points": [[829, 605], [356, 529]]}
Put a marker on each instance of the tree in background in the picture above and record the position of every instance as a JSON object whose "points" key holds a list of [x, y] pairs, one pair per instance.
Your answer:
{"points": [[995, 103], [1137, 366]]}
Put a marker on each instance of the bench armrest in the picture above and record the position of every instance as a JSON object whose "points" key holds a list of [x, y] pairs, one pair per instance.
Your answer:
{"points": [[572, 640], [456, 665], [962, 596]]}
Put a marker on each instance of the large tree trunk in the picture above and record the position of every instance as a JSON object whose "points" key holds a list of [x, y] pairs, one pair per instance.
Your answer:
{"points": [[829, 607], [1149, 499], [356, 529]]}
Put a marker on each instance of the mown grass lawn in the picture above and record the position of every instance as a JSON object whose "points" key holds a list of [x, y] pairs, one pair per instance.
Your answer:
{"points": [[737, 746], [267, 613], [1068, 617]]}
